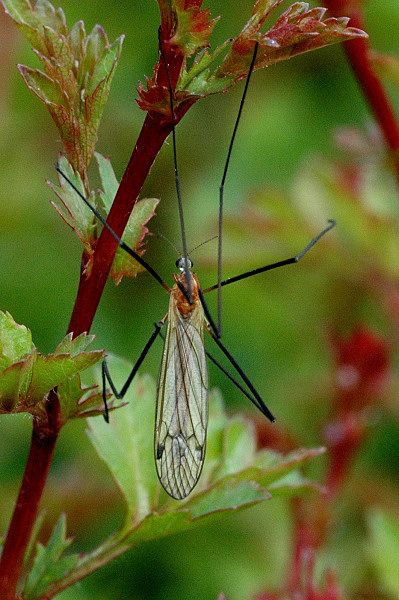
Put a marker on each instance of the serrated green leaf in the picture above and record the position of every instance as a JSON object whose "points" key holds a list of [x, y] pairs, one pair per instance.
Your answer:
{"points": [[126, 443], [70, 394], [42, 85], [15, 340], [25, 383], [109, 181], [73, 210], [74, 346], [52, 370], [76, 78], [384, 549], [227, 495], [133, 236], [239, 446], [14, 381], [49, 564]]}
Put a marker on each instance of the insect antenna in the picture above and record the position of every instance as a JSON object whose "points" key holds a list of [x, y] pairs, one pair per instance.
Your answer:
{"points": [[176, 171], [221, 189]]}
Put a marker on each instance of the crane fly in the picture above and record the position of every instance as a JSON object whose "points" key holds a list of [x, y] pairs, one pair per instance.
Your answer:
{"points": [[182, 397]]}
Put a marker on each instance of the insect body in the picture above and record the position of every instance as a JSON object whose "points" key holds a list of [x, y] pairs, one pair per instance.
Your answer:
{"points": [[182, 403]]}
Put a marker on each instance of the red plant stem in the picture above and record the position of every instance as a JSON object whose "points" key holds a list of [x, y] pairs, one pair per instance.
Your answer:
{"points": [[358, 55], [44, 437], [91, 288]]}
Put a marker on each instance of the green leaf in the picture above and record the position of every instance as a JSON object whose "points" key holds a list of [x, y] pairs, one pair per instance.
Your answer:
{"points": [[126, 444], [80, 218], [74, 346], [298, 30], [41, 85], [50, 564], [384, 549], [26, 377], [227, 495], [109, 181], [135, 230], [77, 73], [15, 340], [72, 209], [134, 235], [54, 369], [239, 446]]}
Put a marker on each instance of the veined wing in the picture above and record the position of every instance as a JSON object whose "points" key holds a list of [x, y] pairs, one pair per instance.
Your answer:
{"points": [[182, 403]]}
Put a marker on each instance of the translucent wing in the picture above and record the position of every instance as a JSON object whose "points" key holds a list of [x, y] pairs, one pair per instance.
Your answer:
{"points": [[182, 403]]}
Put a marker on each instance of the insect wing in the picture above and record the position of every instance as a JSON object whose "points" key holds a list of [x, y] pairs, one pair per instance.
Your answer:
{"points": [[182, 403]]}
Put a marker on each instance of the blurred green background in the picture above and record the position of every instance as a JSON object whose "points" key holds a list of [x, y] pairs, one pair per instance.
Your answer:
{"points": [[274, 324]]}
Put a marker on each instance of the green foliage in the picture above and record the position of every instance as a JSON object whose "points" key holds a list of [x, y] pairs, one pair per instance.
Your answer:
{"points": [[384, 549], [77, 75], [135, 230], [235, 476], [27, 376], [298, 30], [50, 564], [87, 227]]}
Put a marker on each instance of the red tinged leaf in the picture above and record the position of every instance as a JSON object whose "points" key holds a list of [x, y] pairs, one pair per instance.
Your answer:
{"points": [[186, 30], [298, 30]]}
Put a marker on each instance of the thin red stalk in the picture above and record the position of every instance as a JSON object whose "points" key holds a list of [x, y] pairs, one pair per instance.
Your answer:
{"points": [[44, 437], [358, 54], [91, 288], [303, 542]]}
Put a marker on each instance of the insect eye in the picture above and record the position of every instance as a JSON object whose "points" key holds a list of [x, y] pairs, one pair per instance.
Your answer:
{"points": [[181, 262]]}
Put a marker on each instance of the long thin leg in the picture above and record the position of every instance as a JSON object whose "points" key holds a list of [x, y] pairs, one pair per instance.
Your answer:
{"points": [[106, 375], [177, 177], [208, 315], [221, 190], [276, 265], [121, 244], [259, 402]]}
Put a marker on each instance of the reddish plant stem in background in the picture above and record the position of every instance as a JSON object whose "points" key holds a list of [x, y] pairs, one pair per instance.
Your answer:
{"points": [[358, 54], [44, 437]]}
